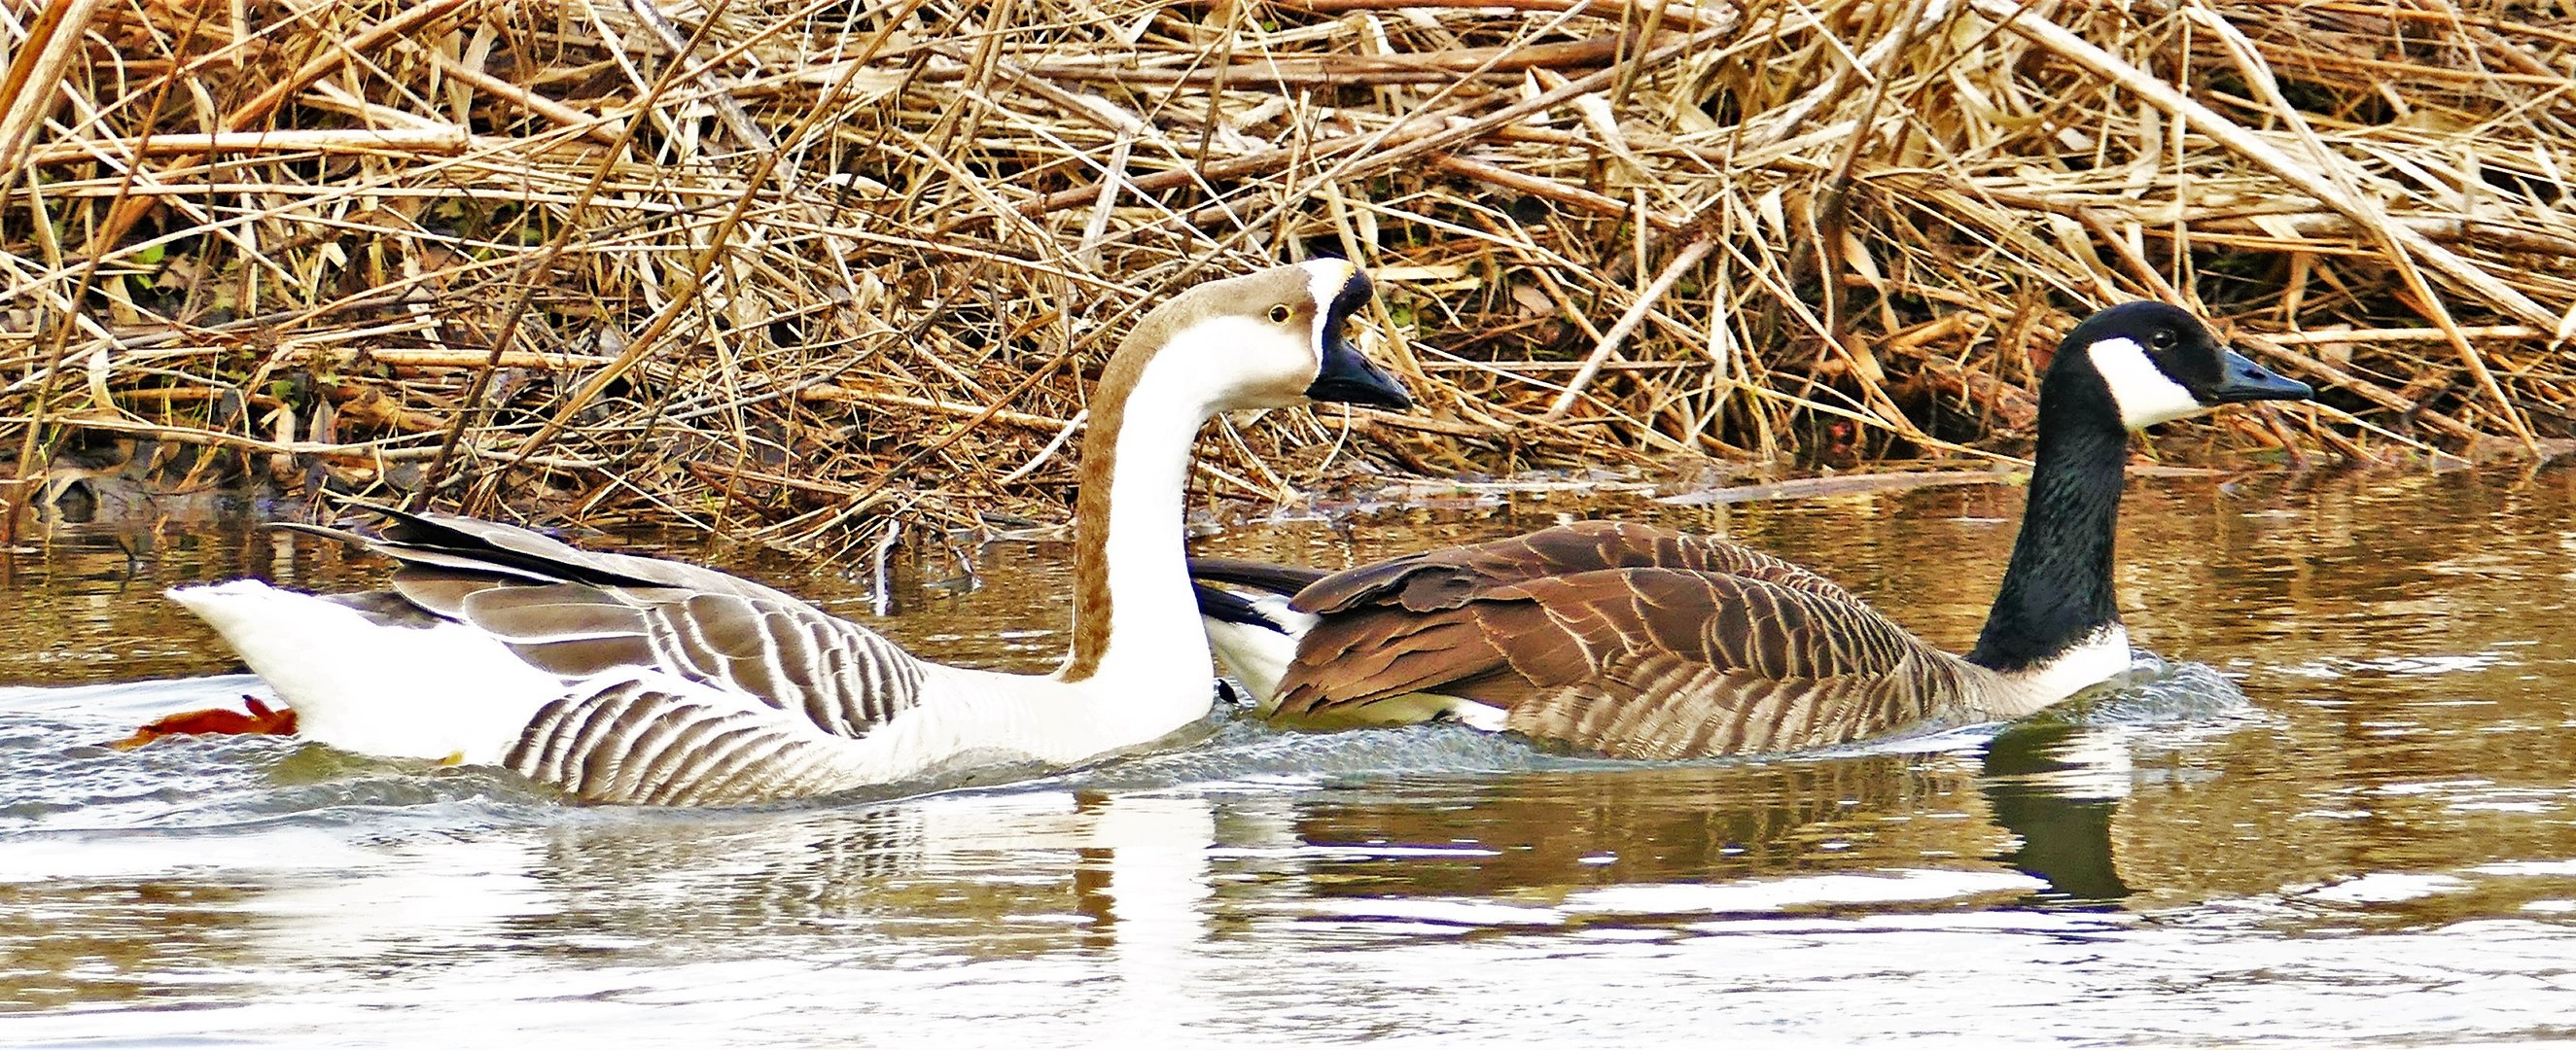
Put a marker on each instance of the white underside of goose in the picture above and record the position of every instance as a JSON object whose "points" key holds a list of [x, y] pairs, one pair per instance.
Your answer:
{"points": [[1258, 656], [471, 699], [466, 699], [2096, 658]]}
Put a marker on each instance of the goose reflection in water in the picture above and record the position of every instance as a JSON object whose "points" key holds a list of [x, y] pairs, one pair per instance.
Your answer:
{"points": [[2039, 804], [2057, 788], [1142, 867], [1137, 880]]}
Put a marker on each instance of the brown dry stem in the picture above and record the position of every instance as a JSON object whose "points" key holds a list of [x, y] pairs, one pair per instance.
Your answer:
{"points": [[678, 261]]}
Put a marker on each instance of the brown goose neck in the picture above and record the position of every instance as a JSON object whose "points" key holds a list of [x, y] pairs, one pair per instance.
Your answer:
{"points": [[1093, 605]]}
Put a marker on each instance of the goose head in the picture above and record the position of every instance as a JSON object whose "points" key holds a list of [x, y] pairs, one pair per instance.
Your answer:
{"points": [[1273, 339], [2157, 362]]}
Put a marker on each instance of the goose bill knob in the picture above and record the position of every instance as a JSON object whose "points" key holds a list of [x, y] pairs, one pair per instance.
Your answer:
{"points": [[1342, 373]]}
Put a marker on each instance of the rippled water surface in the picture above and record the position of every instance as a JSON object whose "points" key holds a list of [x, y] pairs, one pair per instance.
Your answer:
{"points": [[2377, 844]]}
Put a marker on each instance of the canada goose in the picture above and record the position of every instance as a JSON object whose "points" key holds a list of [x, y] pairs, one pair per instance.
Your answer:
{"points": [[619, 678], [1646, 643]]}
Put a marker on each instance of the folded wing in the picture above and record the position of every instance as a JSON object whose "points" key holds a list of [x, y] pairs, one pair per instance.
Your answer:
{"points": [[1450, 576], [1622, 639], [584, 614]]}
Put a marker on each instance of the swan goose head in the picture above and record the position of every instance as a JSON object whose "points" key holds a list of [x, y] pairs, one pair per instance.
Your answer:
{"points": [[1273, 339]]}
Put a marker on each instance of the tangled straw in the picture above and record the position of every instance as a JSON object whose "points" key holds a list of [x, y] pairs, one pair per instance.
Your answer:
{"points": [[734, 264]]}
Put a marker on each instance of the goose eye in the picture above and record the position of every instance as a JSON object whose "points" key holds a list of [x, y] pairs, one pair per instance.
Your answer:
{"points": [[1279, 314], [2163, 339]]}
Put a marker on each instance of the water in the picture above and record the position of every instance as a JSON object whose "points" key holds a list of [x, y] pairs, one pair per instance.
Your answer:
{"points": [[2377, 843]]}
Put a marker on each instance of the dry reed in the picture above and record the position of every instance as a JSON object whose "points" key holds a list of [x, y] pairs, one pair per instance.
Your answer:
{"points": [[776, 267]]}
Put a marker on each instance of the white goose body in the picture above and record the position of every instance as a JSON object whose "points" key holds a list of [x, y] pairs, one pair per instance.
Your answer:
{"points": [[619, 678], [1642, 642], [471, 699]]}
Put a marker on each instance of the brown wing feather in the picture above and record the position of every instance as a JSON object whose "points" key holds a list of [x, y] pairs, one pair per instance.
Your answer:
{"points": [[1638, 662], [441, 591], [1733, 622], [1382, 653], [1452, 576]]}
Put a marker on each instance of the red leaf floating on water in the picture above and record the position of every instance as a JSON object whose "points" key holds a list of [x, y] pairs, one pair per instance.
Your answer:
{"points": [[260, 719]]}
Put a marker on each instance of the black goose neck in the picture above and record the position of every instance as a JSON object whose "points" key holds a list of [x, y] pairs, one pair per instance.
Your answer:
{"points": [[2057, 590]]}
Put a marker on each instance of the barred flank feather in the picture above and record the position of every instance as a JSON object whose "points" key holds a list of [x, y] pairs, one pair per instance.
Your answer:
{"points": [[631, 741], [1628, 640]]}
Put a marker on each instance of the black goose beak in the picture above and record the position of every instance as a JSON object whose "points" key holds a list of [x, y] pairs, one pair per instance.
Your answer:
{"points": [[1348, 376], [2240, 379]]}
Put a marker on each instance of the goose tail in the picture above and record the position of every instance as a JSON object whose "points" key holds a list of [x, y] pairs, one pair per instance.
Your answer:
{"points": [[1254, 637], [364, 681], [1282, 580]]}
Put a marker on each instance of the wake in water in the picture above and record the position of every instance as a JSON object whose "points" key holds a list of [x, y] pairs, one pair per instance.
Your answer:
{"points": [[1241, 751], [2155, 691], [62, 773], [1244, 752]]}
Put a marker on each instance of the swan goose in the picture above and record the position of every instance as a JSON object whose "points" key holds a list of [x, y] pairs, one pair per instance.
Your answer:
{"points": [[1643, 642], [619, 678]]}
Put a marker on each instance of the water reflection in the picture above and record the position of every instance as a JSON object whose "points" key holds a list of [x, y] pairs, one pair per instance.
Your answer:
{"points": [[2379, 845], [2062, 821]]}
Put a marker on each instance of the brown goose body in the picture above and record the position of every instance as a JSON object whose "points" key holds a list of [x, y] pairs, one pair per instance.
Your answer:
{"points": [[1643, 642], [1624, 639]]}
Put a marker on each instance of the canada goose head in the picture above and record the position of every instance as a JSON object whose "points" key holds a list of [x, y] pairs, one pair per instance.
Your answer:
{"points": [[2157, 362], [1273, 339], [2056, 620]]}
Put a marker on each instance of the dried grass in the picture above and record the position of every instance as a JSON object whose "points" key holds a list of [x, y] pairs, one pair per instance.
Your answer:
{"points": [[845, 256]]}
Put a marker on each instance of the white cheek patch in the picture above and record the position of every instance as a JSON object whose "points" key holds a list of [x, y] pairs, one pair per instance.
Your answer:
{"points": [[2145, 394]]}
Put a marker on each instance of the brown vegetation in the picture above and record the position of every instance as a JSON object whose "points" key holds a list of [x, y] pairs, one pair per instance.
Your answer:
{"points": [[780, 266]]}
